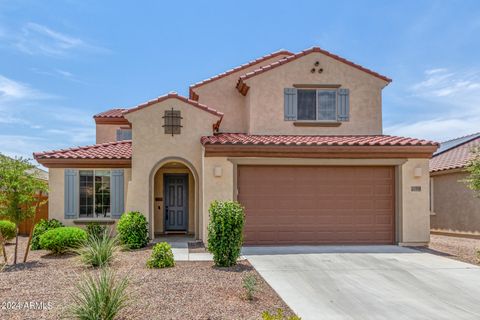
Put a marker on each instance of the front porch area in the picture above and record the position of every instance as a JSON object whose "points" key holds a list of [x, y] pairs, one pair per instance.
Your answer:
{"points": [[185, 247]]}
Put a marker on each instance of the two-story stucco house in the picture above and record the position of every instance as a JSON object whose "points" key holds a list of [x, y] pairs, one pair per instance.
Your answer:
{"points": [[296, 138]]}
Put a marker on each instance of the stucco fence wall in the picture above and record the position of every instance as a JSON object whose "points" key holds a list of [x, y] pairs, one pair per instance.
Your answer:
{"points": [[455, 207]]}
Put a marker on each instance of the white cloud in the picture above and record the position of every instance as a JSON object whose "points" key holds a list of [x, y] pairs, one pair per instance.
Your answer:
{"points": [[37, 39], [15, 90], [454, 98]]}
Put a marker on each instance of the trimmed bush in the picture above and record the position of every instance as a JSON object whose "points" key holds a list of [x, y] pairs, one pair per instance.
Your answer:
{"points": [[8, 229], [41, 227], [100, 296], [132, 230], [98, 251], [162, 256], [95, 229], [60, 240], [225, 232]]}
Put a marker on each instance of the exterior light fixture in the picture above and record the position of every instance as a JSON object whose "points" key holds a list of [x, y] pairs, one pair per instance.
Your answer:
{"points": [[217, 171], [417, 172]]}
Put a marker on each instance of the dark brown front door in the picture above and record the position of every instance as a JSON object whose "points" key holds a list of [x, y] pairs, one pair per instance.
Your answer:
{"points": [[176, 202], [317, 204]]}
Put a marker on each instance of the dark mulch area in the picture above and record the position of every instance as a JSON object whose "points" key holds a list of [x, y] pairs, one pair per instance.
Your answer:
{"points": [[463, 249], [190, 290]]}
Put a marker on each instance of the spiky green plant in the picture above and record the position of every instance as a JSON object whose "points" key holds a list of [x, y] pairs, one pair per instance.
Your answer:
{"points": [[99, 297], [98, 251]]}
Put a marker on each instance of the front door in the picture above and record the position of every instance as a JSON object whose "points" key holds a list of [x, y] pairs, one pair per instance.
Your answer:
{"points": [[176, 202]]}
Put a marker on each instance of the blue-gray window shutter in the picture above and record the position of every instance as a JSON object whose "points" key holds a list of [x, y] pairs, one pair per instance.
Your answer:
{"points": [[71, 193], [290, 101], [343, 105], [116, 193]]}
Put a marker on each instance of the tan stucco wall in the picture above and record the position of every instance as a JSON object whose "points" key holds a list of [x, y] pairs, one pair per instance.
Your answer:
{"points": [[455, 207], [223, 96], [56, 200], [414, 206], [152, 148], [107, 132], [266, 100], [216, 188], [159, 213]]}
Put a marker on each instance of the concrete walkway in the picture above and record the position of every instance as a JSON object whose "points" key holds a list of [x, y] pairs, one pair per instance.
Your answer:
{"points": [[369, 282], [180, 249]]}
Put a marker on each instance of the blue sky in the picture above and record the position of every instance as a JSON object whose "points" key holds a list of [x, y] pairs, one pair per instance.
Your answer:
{"points": [[63, 61]]}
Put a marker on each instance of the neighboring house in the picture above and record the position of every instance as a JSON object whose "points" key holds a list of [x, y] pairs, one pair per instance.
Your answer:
{"points": [[455, 208], [296, 138]]}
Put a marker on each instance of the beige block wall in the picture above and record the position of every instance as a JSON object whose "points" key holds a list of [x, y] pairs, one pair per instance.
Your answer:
{"points": [[223, 96], [56, 200], [266, 100], [152, 148], [415, 206], [455, 207], [107, 132]]}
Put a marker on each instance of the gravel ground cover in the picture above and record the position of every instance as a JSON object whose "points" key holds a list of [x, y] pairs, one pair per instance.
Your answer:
{"points": [[190, 290], [463, 249]]}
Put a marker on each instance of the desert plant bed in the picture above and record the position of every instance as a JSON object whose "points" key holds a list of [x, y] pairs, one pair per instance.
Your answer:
{"points": [[190, 290]]}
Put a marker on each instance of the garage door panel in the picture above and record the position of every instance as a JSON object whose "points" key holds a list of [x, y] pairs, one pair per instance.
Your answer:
{"points": [[317, 205]]}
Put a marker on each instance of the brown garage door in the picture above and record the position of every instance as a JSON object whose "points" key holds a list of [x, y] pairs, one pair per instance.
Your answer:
{"points": [[317, 204]]}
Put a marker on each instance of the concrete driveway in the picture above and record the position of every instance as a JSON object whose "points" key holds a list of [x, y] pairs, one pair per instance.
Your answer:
{"points": [[369, 282]]}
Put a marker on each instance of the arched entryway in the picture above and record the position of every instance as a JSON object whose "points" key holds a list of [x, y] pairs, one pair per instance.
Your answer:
{"points": [[174, 206]]}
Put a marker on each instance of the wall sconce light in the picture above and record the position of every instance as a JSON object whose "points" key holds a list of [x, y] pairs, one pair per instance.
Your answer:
{"points": [[417, 172], [217, 171]]}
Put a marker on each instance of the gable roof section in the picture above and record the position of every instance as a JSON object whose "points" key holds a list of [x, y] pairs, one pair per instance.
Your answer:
{"points": [[243, 87], [111, 154], [112, 116], [455, 157], [449, 144], [316, 140], [332, 147], [194, 96], [174, 95]]}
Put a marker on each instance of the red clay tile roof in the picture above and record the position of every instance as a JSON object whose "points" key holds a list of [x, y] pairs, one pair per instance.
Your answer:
{"points": [[111, 150], [300, 140], [236, 69], [175, 96], [241, 85], [112, 113], [455, 158]]}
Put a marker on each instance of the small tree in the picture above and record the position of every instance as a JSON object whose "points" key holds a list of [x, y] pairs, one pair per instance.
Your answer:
{"points": [[473, 167], [19, 185]]}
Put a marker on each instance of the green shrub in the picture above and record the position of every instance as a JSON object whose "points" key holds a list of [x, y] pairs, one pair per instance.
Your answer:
{"points": [[162, 256], [99, 296], [278, 316], [225, 232], [250, 286], [95, 229], [98, 251], [8, 229], [132, 230], [60, 240], [41, 227]]}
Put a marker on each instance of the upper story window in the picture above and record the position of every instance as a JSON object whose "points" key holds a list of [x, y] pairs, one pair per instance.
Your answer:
{"points": [[124, 134], [172, 122], [316, 104]]}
